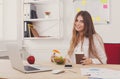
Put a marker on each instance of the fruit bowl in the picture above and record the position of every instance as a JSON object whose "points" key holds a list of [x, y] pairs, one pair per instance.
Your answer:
{"points": [[59, 60]]}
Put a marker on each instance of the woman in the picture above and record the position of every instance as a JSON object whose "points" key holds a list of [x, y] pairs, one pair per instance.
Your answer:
{"points": [[85, 40]]}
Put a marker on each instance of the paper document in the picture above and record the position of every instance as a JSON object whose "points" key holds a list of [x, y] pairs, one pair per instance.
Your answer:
{"points": [[100, 73]]}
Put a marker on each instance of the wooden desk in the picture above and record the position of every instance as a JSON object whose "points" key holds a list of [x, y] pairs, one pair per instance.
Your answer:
{"points": [[7, 71]]}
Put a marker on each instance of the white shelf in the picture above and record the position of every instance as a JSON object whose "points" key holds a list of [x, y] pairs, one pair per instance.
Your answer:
{"points": [[37, 38], [36, 2], [42, 19], [40, 2], [53, 22]]}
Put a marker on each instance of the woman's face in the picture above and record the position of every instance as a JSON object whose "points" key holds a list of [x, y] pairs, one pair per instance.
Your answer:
{"points": [[79, 24]]}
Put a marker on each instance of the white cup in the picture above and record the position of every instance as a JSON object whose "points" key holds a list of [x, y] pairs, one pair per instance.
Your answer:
{"points": [[47, 14]]}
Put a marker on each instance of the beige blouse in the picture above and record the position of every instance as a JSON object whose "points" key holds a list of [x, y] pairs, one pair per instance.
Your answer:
{"points": [[99, 47]]}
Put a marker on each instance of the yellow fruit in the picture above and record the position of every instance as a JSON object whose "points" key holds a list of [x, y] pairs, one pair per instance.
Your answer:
{"points": [[56, 51]]}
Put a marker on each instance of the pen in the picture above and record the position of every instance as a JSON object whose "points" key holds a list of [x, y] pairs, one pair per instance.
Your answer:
{"points": [[72, 71]]}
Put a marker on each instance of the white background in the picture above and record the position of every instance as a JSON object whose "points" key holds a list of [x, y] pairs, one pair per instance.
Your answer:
{"points": [[40, 48]]}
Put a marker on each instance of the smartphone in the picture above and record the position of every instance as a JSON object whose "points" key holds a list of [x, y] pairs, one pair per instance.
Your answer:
{"points": [[68, 66]]}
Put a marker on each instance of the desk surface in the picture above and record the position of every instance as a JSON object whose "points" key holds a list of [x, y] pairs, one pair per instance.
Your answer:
{"points": [[8, 72]]}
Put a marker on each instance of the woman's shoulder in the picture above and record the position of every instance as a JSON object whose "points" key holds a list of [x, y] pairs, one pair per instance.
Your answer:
{"points": [[98, 40], [96, 36]]}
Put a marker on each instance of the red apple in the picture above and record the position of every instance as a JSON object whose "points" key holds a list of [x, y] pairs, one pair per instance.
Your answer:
{"points": [[31, 59]]}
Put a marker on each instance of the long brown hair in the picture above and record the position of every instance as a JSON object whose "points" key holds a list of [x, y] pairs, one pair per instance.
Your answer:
{"points": [[88, 32]]}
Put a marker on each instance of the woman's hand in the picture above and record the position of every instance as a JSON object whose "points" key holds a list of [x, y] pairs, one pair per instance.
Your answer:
{"points": [[68, 60], [52, 58], [86, 61]]}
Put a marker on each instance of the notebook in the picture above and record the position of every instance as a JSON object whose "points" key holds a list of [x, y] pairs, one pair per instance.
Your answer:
{"points": [[17, 61]]}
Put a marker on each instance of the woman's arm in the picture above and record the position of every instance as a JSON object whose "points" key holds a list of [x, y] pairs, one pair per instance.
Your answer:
{"points": [[100, 50]]}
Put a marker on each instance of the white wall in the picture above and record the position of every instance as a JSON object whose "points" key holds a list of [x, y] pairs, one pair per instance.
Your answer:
{"points": [[10, 19], [43, 48], [1, 19]]}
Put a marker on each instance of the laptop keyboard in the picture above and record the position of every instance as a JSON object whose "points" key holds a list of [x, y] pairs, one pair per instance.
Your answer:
{"points": [[30, 68]]}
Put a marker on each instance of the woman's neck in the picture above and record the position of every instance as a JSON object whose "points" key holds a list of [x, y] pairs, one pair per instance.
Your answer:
{"points": [[81, 37], [81, 40]]}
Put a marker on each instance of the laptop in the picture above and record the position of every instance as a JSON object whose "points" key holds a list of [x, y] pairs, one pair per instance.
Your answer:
{"points": [[17, 61]]}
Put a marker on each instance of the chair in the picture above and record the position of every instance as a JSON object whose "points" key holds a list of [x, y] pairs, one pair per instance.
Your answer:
{"points": [[113, 53]]}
